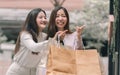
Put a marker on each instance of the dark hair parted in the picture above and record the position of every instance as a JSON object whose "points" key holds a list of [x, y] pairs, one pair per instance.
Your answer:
{"points": [[30, 26], [52, 28]]}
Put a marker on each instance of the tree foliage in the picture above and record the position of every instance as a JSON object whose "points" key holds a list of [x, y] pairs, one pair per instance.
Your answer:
{"points": [[95, 16]]}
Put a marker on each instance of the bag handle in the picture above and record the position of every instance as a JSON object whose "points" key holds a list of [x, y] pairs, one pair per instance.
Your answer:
{"points": [[74, 45], [58, 41]]}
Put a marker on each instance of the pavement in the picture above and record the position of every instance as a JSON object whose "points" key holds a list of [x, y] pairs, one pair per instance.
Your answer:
{"points": [[4, 65], [104, 65]]}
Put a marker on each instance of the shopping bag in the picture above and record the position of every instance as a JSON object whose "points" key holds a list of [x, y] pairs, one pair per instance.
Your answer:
{"points": [[62, 61], [87, 62]]}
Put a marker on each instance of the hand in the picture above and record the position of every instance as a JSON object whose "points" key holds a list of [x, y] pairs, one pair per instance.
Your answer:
{"points": [[111, 18], [61, 34], [79, 30]]}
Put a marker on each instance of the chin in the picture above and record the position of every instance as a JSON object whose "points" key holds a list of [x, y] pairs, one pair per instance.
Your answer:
{"points": [[61, 27], [43, 27]]}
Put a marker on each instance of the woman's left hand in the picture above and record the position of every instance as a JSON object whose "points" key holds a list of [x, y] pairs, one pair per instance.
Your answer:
{"points": [[79, 30]]}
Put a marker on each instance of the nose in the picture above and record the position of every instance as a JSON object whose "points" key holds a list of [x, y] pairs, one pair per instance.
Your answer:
{"points": [[60, 17], [44, 20]]}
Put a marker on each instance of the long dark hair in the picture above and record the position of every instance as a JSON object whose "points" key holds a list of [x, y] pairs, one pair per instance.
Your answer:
{"points": [[52, 28], [30, 26]]}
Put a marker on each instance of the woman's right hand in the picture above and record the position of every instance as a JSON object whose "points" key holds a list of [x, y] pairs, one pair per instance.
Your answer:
{"points": [[60, 34]]}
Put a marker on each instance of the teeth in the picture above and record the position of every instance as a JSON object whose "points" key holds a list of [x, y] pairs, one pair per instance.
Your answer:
{"points": [[60, 22]]}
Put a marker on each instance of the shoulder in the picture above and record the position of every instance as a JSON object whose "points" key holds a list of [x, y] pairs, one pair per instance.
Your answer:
{"points": [[25, 34], [44, 34]]}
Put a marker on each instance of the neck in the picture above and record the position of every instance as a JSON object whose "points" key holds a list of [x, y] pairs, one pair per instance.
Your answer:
{"points": [[40, 30], [60, 29]]}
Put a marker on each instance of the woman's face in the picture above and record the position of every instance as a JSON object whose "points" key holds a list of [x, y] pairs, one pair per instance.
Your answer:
{"points": [[41, 20], [61, 19]]}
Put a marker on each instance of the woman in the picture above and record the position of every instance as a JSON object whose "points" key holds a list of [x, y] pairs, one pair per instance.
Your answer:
{"points": [[59, 25], [31, 46]]}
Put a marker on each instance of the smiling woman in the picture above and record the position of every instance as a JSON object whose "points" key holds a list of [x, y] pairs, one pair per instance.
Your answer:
{"points": [[59, 24], [30, 45]]}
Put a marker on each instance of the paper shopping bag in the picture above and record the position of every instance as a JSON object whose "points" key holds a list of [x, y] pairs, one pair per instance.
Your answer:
{"points": [[87, 62], [62, 61]]}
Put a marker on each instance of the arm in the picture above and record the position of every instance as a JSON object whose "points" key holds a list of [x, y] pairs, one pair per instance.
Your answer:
{"points": [[28, 42], [78, 42], [110, 27]]}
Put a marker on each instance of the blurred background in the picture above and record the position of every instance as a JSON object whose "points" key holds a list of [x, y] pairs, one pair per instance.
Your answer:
{"points": [[92, 13]]}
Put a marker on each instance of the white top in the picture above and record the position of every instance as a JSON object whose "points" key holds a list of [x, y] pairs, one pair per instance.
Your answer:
{"points": [[71, 41], [24, 56]]}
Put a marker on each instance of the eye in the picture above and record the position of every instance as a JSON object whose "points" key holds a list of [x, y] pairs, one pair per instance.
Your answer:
{"points": [[57, 16], [45, 17], [63, 15], [40, 17]]}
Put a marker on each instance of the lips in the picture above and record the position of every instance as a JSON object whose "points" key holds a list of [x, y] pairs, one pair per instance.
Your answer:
{"points": [[44, 23], [60, 22]]}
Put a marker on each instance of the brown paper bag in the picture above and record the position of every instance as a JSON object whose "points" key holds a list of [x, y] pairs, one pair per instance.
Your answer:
{"points": [[62, 61]]}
